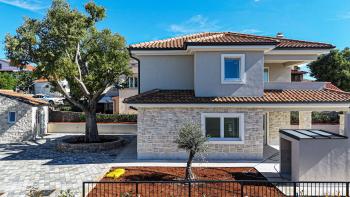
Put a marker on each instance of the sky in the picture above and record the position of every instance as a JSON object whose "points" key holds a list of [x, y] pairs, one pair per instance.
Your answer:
{"points": [[141, 20]]}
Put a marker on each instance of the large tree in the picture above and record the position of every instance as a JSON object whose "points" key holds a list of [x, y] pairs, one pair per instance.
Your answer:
{"points": [[66, 45], [333, 67]]}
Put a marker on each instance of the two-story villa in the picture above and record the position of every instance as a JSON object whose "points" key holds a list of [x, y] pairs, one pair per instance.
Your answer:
{"points": [[236, 86]]}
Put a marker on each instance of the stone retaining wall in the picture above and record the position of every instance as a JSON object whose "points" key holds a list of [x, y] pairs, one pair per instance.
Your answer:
{"points": [[158, 128]]}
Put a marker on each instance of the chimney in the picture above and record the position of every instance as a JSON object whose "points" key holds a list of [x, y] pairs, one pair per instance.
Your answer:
{"points": [[279, 35]]}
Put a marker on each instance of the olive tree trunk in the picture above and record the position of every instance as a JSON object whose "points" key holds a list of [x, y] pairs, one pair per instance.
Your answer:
{"points": [[91, 131], [189, 173]]}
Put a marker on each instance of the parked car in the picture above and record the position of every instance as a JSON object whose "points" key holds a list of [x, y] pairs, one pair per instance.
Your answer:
{"points": [[51, 100]]}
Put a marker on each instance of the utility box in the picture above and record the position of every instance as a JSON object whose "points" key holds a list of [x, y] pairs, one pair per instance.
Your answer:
{"points": [[314, 155]]}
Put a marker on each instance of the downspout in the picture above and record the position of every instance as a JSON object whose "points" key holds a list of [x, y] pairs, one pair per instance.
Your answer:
{"points": [[138, 73]]}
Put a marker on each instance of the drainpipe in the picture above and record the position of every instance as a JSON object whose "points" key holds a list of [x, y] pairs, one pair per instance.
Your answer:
{"points": [[138, 73]]}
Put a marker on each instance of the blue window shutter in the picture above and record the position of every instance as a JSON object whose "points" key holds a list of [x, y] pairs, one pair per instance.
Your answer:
{"points": [[232, 69]]}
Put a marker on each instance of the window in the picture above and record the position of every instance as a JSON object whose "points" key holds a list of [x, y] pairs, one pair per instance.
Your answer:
{"points": [[132, 82], [0, 66], [232, 68], [266, 75], [11, 117], [223, 127]]}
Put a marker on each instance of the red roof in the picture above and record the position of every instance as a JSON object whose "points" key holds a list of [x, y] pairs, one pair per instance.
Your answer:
{"points": [[25, 98], [329, 94], [228, 38]]}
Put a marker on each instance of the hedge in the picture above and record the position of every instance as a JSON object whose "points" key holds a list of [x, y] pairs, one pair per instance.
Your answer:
{"points": [[67, 116]]}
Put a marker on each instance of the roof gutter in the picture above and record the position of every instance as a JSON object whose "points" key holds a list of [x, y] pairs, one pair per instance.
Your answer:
{"points": [[139, 71]]}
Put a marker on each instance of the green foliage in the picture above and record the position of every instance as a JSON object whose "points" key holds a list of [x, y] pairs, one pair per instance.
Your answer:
{"points": [[112, 118], [8, 81], [25, 81], [333, 67], [325, 117], [191, 138], [66, 193], [66, 45]]}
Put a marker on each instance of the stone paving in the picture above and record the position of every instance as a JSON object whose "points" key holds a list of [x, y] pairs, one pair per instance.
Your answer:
{"points": [[38, 164]]}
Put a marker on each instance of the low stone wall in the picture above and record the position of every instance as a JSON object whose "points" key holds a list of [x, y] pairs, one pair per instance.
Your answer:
{"points": [[103, 128], [158, 128]]}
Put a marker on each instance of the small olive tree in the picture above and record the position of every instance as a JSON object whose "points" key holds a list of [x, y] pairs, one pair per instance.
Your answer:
{"points": [[193, 141]]}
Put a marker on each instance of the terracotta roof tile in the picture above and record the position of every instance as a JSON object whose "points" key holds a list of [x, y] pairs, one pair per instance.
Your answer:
{"points": [[25, 98], [270, 96], [228, 38]]}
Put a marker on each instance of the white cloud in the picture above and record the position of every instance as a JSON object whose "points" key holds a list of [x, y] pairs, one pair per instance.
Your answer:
{"points": [[33, 5], [251, 31], [344, 16], [195, 24]]}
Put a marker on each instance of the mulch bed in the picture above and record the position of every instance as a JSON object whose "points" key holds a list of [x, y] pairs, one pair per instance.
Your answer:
{"points": [[182, 189]]}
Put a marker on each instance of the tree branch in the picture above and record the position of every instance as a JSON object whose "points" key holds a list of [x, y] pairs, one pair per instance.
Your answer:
{"points": [[68, 97], [77, 57], [83, 87]]}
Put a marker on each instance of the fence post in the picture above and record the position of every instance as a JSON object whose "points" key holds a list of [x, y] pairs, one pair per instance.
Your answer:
{"points": [[137, 188], [242, 187], [189, 189], [347, 189], [83, 189], [294, 189]]}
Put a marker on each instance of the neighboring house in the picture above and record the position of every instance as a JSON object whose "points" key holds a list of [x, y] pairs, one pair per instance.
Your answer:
{"points": [[237, 87], [106, 103], [6, 67], [297, 75], [42, 86], [22, 117], [130, 89]]}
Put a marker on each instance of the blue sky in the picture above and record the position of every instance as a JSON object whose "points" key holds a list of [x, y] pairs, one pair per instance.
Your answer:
{"points": [[144, 20]]}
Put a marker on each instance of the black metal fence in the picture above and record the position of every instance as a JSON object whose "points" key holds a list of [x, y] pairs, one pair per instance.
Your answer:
{"points": [[214, 189]]}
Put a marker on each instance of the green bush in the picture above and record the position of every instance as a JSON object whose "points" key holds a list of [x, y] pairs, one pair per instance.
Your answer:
{"points": [[112, 117]]}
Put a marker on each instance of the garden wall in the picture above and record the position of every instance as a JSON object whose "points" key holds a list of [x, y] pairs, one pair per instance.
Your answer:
{"points": [[103, 128]]}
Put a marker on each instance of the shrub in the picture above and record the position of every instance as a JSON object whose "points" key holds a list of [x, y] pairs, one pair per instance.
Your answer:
{"points": [[66, 193], [193, 141]]}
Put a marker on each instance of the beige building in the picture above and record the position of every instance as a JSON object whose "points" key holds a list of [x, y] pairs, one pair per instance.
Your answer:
{"points": [[131, 89], [237, 87]]}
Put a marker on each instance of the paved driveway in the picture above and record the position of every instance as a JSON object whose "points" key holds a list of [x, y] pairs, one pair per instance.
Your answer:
{"points": [[38, 164]]}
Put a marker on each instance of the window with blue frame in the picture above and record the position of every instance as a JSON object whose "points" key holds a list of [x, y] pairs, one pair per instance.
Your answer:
{"points": [[11, 117], [232, 69]]}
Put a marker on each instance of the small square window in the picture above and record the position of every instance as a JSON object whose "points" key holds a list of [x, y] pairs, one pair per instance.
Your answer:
{"points": [[12, 117], [232, 68]]}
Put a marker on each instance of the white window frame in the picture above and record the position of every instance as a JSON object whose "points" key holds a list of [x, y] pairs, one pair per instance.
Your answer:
{"points": [[241, 79], [223, 140], [268, 74], [8, 117]]}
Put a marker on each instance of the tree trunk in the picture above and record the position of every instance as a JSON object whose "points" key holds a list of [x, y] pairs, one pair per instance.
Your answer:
{"points": [[91, 132], [189, 174]]}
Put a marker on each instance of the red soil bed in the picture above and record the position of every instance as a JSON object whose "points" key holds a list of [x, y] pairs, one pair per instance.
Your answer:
{"points": [[182, 189]]}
